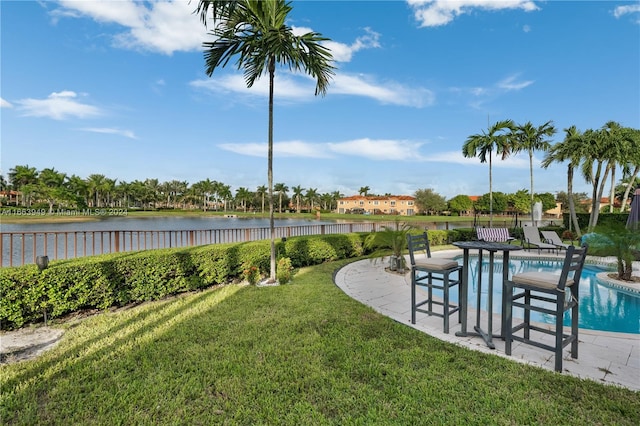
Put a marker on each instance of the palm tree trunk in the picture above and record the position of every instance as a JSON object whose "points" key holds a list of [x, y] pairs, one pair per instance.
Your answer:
{"points": [[572, 206], [596, 212], [612, 194], [531, 181], [595, 201], [272, 265], [630, 187], [490, 193]]}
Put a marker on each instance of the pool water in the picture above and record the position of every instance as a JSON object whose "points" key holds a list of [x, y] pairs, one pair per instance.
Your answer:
{"points": [[601, 307]]}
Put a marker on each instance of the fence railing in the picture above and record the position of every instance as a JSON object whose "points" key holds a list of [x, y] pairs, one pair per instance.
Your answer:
{"points": [[20, 248]]}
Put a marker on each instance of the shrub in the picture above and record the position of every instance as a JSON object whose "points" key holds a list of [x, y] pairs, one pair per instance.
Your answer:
{"points": [[251, 274], [117, 279], [284, 270]]}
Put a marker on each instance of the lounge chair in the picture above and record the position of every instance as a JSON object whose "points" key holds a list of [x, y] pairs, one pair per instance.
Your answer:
{"points": [[532, 238], [552, 237]]}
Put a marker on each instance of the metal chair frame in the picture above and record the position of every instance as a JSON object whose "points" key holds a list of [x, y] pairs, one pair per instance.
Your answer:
{"points": [[551, 299], [432, 274]]}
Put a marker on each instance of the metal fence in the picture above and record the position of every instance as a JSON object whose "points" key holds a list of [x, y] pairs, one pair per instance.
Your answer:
{"points": [[20, 248]]}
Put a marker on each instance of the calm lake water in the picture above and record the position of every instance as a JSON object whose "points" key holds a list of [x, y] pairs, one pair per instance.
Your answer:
{"points": [[162, 223]]}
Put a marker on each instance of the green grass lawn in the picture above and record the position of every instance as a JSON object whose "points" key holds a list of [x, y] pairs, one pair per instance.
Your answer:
{"points": [[300, 354]]}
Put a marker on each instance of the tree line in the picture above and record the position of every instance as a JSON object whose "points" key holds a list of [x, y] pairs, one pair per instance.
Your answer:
{"points": [[58, 190], [597, 153]]}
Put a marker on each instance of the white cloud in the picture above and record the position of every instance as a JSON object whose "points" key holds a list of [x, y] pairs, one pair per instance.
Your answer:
{"points": [[370, 149], [5, 104], [125, 13], [511, 83], [624, 10], [165, 26], [433, 13], [367, 148], [478, 96], [344, 52], [126, 133], [59, 106], [520, 161], [299, 87], [171, 26], [388, 92], [378, 149], [287, 86], [280, 149]]}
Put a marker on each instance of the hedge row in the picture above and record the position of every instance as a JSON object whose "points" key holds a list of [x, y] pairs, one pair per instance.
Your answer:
{"points": [[121, 278], [117, 279]]}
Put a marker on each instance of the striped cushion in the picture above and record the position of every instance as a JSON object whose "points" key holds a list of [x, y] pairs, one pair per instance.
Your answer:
{"points": [[542, 280], [436, 264], [493, 234]]}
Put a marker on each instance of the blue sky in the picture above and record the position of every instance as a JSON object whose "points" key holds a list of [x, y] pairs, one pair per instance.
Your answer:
{"points": [[119, 88]]}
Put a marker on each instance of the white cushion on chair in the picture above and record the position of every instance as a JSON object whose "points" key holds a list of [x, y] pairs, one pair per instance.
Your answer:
{"points": [[436, 264], [540, 279]]}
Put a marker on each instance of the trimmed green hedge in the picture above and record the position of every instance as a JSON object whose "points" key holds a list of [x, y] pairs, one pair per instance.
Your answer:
{"points": [[117, 279], [120, 278]]}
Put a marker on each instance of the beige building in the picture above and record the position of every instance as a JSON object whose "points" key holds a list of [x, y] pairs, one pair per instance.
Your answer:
{"points": [[403, 205]]}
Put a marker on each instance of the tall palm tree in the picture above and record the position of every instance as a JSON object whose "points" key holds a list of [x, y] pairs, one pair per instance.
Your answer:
{"points": [[482, 146], [281, 189], [95, 185], [633, 138], [570, 149], [527, 137], [153, 187], [615, 134], [336, 195], [51, 186], [327, 200], [297, 193], [224, 193], [243, 195], [205, 189], [311, 196], [79, 189], [123, 192], [256, 31], [22, 177], [261, 191], [602, 152], [364, 191]]}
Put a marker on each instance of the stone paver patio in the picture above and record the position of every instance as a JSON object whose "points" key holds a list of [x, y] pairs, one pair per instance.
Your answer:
{"points": [[610, 358]]}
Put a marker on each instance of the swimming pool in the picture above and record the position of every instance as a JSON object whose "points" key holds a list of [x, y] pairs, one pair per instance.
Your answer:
{"points": [[602, 307]]}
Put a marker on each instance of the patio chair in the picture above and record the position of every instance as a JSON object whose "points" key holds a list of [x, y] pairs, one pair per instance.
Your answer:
{"points": [[532, 238], [552, 237], [553, 295], [432, 274]]}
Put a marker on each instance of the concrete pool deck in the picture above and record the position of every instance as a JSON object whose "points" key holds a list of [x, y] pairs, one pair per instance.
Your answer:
{"points": [[608, 358]]}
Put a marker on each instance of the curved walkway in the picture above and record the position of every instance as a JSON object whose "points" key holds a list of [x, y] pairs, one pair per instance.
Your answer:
{"points": [[610, 358]]}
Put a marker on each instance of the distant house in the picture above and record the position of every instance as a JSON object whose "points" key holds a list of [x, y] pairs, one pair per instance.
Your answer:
{"points": [[403, 205], [9, 197], [604, 204]]}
